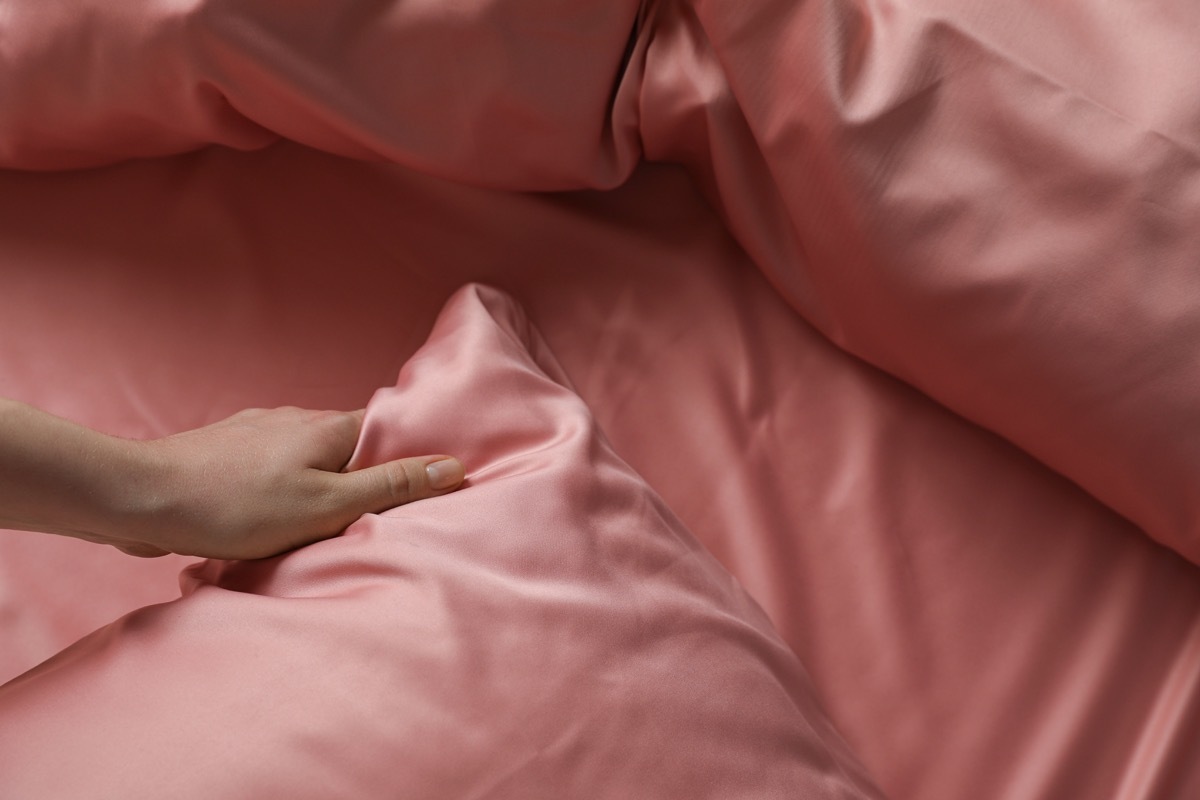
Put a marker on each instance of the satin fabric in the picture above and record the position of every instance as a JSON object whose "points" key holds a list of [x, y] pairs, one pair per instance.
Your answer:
{"points": [[159, 76], [992, 205], [940, 585], [901, 170], [549, 630]]}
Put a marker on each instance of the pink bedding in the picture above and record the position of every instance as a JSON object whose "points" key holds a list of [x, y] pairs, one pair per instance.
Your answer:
{"points": [[549, 631], [943, 447]]}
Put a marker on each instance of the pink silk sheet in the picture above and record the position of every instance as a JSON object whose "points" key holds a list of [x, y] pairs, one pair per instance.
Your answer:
{"points": [[908, 342]]}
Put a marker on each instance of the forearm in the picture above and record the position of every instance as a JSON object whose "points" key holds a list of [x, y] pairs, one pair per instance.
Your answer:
{"points": [[60, 477]]}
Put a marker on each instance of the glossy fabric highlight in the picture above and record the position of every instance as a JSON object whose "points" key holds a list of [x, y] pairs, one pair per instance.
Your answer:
{"points": [[957, 514], [549, 630]]}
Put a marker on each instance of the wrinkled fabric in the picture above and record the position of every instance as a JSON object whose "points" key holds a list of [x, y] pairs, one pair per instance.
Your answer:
{"points": [[903, 171], [938, 584], [461, 90], [993, 205], [549, 630]]}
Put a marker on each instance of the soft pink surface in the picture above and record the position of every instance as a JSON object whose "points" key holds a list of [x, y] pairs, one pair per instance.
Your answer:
{"points": [[902, 170], [550, 630], [996, 203], [996, 206]]}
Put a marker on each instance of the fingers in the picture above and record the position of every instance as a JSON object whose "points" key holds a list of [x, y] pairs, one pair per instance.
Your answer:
{"points": [[376, 489], [332, 448], [352, 419]]}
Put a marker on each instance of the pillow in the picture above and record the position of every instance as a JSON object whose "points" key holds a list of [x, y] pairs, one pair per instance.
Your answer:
{"points": [[507, 93], [550, 630], [996, 206]]}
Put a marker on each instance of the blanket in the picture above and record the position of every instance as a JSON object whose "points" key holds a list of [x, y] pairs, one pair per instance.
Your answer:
{"points": [[899, 322]]}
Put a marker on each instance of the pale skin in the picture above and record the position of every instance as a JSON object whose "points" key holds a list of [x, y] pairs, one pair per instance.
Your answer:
{"points": [[257, 484]]}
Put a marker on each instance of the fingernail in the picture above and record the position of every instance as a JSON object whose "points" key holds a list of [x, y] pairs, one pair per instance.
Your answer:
{"points": [[444, 474]]}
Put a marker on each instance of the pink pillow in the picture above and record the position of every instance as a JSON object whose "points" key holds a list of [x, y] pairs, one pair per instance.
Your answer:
{"points": [[550, 630], [999, 207], [511, 93]]}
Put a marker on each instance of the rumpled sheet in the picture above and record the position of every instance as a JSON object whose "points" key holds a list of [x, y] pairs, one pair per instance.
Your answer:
{"points": [[897, 168], [994, 206]]}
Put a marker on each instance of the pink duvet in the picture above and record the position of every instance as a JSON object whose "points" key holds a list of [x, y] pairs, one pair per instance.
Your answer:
{"points": [[901, 326]]}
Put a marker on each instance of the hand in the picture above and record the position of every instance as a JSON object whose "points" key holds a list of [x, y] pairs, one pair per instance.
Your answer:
{"points": [[265, 481]]}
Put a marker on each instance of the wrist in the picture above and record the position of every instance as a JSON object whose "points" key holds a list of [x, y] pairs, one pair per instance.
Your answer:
{"points": [[132, 497], [57, 476]]}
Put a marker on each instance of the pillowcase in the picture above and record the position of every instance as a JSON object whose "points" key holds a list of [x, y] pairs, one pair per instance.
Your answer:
{"points": [[550, 630], [997, 207], [503, 93]]}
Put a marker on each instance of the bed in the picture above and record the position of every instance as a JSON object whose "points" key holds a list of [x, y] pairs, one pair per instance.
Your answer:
{"points": [[825, 375]]}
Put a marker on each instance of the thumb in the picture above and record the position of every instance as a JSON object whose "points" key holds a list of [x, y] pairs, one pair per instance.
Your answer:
{"points": [[395, 483]]}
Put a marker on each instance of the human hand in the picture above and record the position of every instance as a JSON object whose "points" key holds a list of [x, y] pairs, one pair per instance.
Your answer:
{"points": [[265, 481]]}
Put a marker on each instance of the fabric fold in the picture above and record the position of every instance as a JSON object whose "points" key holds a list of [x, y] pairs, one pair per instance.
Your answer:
{"points": [[994, 208], [464, 91], [550, 630]]}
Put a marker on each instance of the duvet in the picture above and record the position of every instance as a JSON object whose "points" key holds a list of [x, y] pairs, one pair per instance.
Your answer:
{"points": [[825, 374]]}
